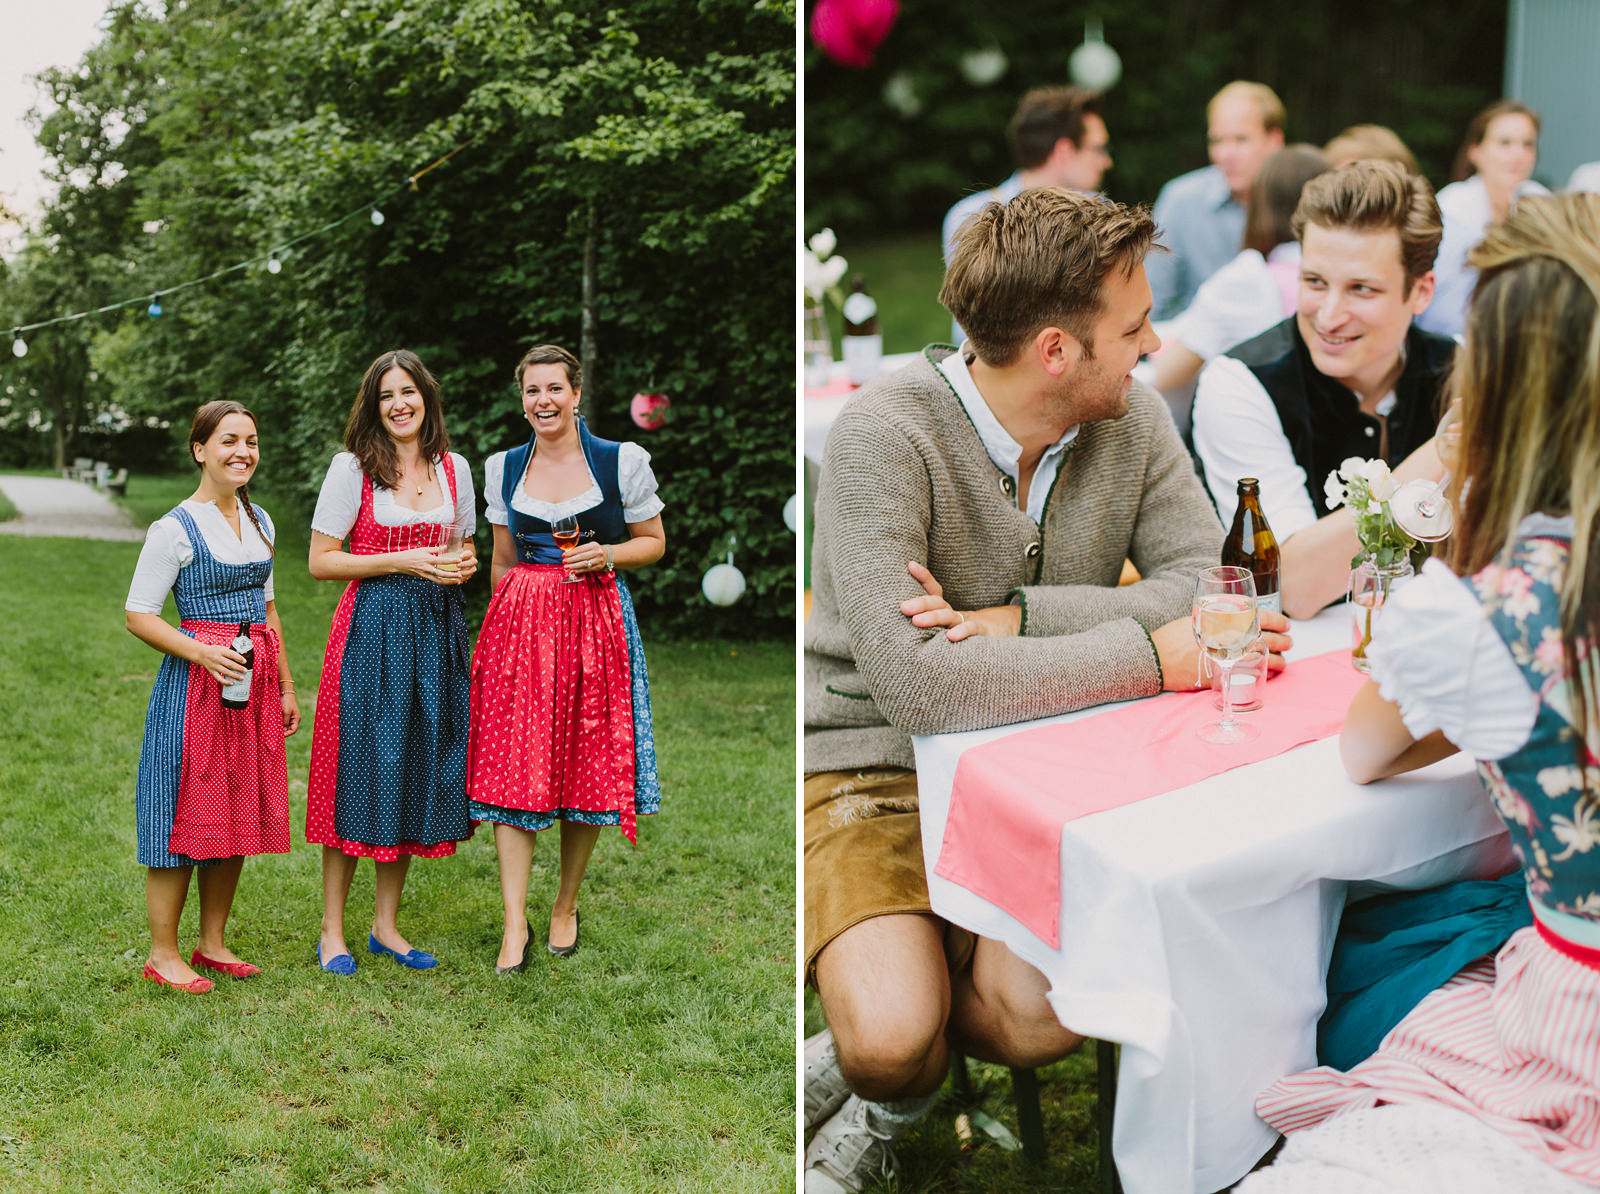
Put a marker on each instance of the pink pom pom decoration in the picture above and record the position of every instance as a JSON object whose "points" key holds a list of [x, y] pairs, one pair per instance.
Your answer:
{"points": [[649, 410], [850, 31]]}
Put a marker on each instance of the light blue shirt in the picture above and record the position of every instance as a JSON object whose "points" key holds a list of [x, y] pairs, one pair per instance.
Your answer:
{"points": [[1464, 208], [997, 441], [1202, 226], [964, 210]]}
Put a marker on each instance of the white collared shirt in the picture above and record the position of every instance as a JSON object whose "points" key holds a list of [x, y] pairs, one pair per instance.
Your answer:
{"points": [[997, 442]]}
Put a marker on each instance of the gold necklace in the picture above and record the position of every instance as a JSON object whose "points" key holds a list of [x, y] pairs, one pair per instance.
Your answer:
{"points": [[429, 477]]}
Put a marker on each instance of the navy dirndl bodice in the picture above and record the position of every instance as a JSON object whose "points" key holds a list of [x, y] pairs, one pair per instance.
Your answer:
{"points": [[1547, 801], [207, 590], [532, 535]]}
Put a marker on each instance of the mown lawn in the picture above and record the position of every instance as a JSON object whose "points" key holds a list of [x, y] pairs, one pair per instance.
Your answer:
{"points": [[658, 1058]]}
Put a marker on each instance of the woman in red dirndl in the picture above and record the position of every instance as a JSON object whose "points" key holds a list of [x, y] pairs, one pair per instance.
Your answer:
{"points": [[560, 705]]}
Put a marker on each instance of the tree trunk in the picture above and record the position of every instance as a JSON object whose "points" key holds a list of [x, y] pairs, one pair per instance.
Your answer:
{"points": [[588, 348]]}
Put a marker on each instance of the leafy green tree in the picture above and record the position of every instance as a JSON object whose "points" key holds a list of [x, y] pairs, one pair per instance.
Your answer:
{"points": [[626, 185]]}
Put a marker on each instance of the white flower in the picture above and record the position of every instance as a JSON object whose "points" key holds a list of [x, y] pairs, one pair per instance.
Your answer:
{"points": [[823, 243], [1557, 780], [1351, 468], [821, 276], [1333, 490], [1379, 483]]}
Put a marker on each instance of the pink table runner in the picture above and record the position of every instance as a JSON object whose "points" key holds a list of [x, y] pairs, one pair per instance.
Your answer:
{"points": [[1002, 840], [837, 388]]}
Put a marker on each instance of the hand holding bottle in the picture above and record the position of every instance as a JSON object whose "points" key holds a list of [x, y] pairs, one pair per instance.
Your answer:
{"points": [[222, 663]]}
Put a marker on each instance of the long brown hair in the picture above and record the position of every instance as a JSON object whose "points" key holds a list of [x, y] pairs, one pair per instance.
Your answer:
{"points": [[203, 428], [364, 435], [1269, 220], [1529, 379]]}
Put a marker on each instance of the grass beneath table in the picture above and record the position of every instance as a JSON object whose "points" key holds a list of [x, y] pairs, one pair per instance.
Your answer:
{"points": [[659, 1058], [934, 1157]]}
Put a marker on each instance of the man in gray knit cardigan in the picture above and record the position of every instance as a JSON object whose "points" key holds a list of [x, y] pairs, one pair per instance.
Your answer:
{"points": [[973, 516]]}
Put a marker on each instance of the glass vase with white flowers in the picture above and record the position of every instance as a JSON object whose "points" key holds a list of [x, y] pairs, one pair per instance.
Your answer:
{"points": [[823, 270], [1383, 561]]}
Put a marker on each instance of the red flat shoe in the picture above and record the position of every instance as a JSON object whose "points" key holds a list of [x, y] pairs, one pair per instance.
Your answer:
{"points": [[231, 969], [198, 987]]}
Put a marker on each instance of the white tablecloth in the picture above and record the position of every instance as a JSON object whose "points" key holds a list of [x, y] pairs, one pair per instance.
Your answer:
{"points": [[1196, 926]]}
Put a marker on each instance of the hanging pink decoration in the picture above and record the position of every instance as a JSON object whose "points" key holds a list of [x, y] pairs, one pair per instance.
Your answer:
{"points": [[850, 31], [649, 410]]}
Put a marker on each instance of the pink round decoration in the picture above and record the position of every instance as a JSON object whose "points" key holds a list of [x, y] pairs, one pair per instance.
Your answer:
{"points": [[649, 410], [850, 31]]}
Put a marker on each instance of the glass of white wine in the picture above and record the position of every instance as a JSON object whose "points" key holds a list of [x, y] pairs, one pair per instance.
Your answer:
{"points": [[1226, 624]]}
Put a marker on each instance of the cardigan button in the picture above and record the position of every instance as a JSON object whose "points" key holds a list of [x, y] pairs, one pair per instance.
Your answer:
{"points": [[1033, 551], [1007, 486], [1371, 431]]}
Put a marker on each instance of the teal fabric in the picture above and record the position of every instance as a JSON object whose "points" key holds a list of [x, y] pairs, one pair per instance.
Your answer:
{"points": [[1393, 949]]}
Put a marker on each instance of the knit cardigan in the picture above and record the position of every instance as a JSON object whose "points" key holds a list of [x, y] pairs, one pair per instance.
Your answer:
{"points": [[905, 477]]}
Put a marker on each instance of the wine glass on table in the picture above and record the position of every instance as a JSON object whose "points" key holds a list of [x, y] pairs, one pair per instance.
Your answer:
{"points": [[1226, 623], [565, 532], [1420, 507]]}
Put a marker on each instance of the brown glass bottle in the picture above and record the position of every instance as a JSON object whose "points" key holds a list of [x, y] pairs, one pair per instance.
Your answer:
{"points": [[861, 342], [1251, 544]]}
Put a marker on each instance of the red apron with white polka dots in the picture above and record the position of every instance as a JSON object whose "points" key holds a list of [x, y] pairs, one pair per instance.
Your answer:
{"points": [[552, 702]]}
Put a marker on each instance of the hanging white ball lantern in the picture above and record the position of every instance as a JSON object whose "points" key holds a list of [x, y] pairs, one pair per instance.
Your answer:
{"points": [[19, 346], [723, 584], [1094, 64], [791, 511]]}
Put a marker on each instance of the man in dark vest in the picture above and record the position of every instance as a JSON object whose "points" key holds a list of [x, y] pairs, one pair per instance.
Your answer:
{"points": [[1347, 375]]}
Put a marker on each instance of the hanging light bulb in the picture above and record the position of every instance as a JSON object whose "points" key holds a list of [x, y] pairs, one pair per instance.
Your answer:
{"points": [[19, 346], [273, 264], [377, 216], [154, 309]]}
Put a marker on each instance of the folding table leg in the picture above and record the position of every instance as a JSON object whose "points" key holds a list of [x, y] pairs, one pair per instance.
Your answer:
{"points": [[1105, 1110]]}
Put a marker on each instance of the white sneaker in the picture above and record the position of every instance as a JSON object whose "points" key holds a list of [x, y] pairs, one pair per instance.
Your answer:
{"points": [[850, 1150], [826, 1089]]}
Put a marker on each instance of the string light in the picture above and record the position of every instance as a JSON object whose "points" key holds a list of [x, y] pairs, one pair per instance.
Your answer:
{"points": [[272, 259]]}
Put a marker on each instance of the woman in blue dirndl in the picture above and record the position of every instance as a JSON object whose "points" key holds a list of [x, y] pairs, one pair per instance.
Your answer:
{"points": [[560, 700], [213, 782]]}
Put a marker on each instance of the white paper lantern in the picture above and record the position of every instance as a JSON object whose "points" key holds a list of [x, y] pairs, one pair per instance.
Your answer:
{"points": [[723, 584], [791, 512], [1094, 64]]}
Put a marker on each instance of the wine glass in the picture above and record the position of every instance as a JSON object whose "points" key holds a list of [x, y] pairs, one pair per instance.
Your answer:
{"points": [[1226, 624], [565, 532], [1419, 507]]}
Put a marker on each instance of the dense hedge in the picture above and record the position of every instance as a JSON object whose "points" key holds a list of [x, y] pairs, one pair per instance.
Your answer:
{"points": [[891, 147], [208, 135]]}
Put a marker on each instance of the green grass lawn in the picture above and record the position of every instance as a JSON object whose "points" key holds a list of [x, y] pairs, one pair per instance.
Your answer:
{"points": [[658, 1058], [7, 510]]}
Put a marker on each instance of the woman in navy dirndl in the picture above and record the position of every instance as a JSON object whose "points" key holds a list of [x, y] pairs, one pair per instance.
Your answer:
{"points": [[213, 781], [389, 744], [560, 699]]}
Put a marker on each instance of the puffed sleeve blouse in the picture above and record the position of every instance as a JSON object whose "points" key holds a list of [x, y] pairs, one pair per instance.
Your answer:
{"points": [[1436, 655], [167, 550], [340, 500], [635, 479]]}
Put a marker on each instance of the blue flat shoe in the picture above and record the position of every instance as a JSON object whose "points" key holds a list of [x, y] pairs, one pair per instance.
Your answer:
{"points": [[415, 960], [340, 964]]}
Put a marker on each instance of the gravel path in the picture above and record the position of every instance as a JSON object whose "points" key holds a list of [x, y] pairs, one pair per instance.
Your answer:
{"points": [[66, 509]]}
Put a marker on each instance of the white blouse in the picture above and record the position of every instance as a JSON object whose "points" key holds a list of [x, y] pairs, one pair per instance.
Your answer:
{"points": [[167, 550], [339, 503], [1435, 654], [634, 478], [1241, 300]]}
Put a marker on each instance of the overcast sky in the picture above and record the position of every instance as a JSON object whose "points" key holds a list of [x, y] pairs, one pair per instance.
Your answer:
{"points": [[37, 34]]}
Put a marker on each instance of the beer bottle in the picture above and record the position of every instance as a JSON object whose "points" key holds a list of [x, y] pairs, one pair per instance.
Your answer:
{"points": [[1250, 544], [237, 694], [862, 341]]}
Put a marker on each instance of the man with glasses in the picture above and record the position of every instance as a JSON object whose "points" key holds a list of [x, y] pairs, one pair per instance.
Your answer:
{"points": [[1058, 139]]}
